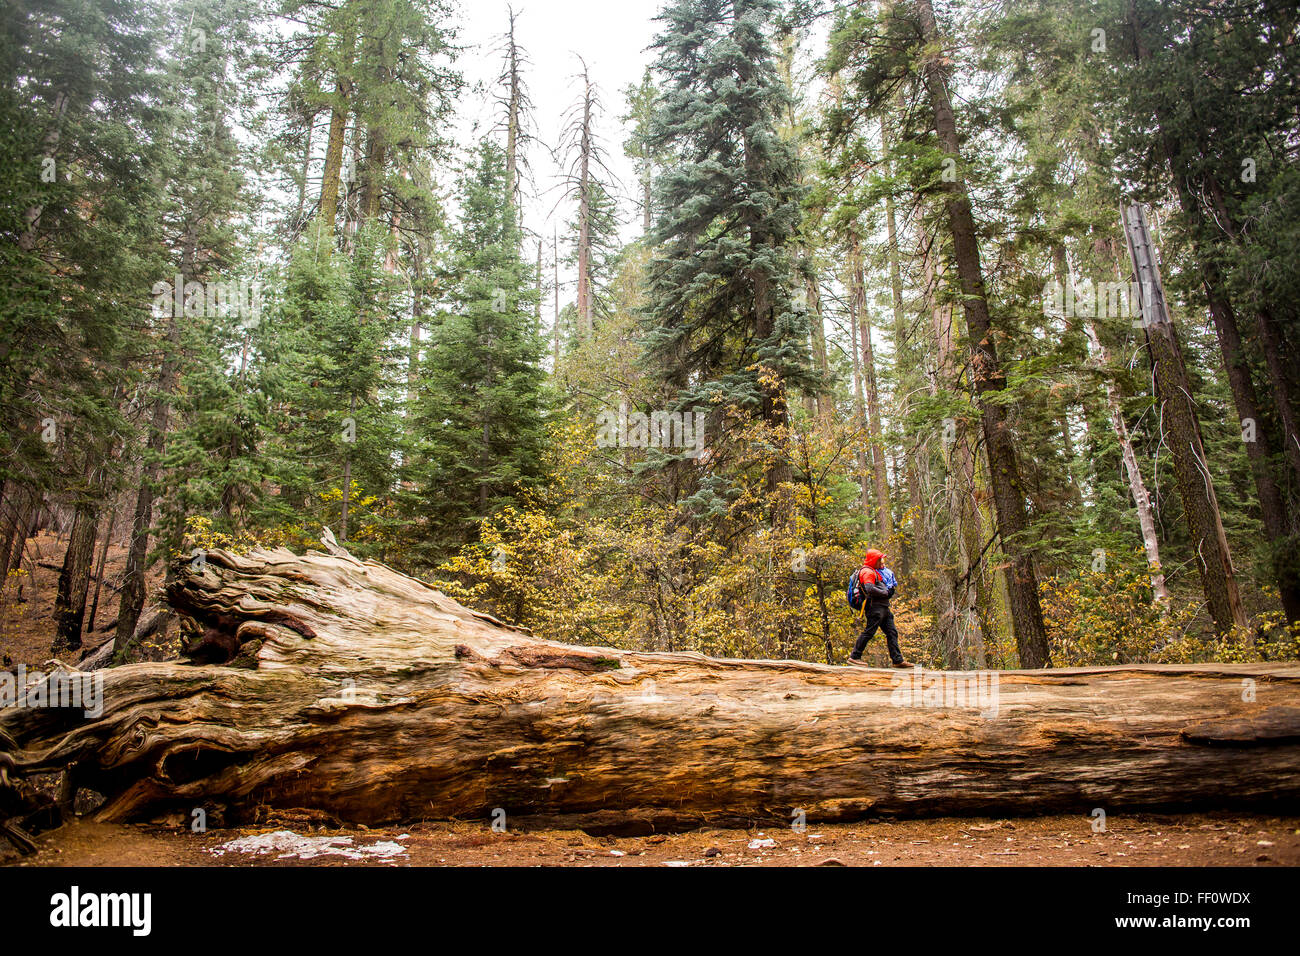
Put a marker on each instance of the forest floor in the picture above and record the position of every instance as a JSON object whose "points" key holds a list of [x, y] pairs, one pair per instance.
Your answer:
{"points": [[1218, 839], [27, 612]]}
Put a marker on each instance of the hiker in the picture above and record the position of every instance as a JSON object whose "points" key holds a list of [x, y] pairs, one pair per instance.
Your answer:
{"points": [[869, 592]]}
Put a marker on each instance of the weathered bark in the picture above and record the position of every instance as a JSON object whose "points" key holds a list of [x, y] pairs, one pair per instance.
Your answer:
{"points": [[74, 578], [986, 370], [1136, 484], [1182, 430], [377, 698], [339, 111], [972, 613], [1105, 250]]}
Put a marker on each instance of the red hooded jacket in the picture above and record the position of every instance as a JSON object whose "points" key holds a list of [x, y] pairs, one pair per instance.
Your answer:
{"points": [[870, 579]]}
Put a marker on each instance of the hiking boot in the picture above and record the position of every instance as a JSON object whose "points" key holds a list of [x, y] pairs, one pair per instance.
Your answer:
{"points": [[902, 664]]}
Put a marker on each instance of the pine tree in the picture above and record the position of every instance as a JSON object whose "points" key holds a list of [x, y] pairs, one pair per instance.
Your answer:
{"points": [[595, 227], [640, 100], [204, 185], [340, 360], [722, 323], [80, 205], [516, 106], [479, 412]]}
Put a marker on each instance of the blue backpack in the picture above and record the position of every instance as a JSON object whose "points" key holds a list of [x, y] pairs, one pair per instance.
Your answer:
{"points": [[855, 596]]}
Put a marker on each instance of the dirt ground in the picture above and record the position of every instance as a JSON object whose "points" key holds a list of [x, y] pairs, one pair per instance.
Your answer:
{"points": [[1139, 840], [27, 612]]}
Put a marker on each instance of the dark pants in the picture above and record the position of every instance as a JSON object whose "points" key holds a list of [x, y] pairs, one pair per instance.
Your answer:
{"points": [[879, 616]]}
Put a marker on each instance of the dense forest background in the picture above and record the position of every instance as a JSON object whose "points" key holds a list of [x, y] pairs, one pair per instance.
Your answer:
{"points": [[258, 280]]}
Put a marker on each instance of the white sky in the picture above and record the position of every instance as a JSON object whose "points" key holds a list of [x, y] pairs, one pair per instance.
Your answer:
{"points": [[613, 36]]}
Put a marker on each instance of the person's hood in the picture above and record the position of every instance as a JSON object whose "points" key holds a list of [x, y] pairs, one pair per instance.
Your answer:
{"points": [[873, 558]]}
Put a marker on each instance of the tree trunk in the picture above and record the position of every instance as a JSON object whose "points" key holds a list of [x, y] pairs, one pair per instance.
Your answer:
{"points": [[306, 168], [1278, 357], [585, 145], [986, 371], [329, 190], [372, 189], [50, 143], [515, 102], [901, 335], [103, 558], [1270, 336], [137, 555], [645, 200], [376, 698], [537, 308], [969, 584], [944, 571], [823, 398], [876, 445], [1183, 432], [74, 579], [17, 509], [1137, 487], [555, 282], [859, 408], [413, 349], [1274, 512]]}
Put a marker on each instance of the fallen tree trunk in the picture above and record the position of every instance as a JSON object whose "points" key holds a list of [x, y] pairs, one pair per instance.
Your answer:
{"points": [[376, 698]]}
